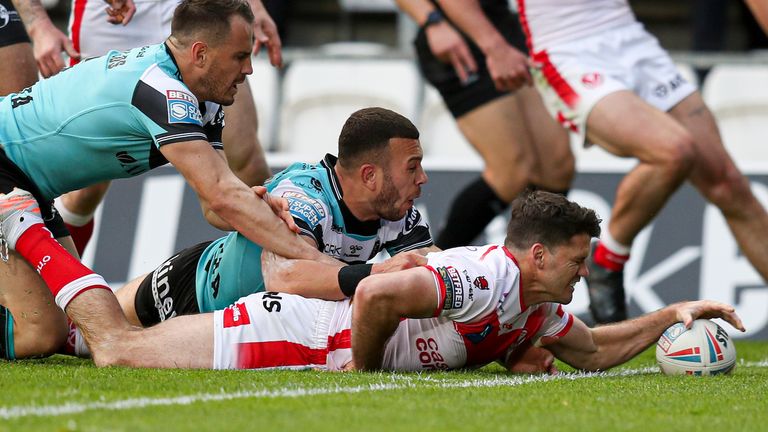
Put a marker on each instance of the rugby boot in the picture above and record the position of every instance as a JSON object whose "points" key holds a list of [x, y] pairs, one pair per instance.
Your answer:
{"points": [[18, 211], [607, 302]]}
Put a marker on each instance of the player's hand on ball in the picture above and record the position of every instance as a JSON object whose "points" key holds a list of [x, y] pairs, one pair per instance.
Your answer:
{"points": [[687, 312]]}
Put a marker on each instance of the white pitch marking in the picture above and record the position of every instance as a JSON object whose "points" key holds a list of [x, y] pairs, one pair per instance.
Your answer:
{"points": [[398, 382]]}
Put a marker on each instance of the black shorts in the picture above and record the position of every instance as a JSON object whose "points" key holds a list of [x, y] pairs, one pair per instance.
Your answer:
{"points": [[461, 98], [170, 290], [12, 176], [11, 27]]}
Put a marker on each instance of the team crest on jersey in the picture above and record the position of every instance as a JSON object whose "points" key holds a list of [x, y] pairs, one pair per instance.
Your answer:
{"points": [[182, 108], [454, 287], [305, 208], [480, 283]]}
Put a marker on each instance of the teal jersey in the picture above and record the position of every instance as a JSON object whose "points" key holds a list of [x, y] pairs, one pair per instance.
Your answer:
{"points": [[103, 119], [230, 267]]}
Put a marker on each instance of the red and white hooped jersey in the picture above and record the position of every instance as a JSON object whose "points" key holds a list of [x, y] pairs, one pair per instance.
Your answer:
{"points": [[549, 22], [481, 316]]}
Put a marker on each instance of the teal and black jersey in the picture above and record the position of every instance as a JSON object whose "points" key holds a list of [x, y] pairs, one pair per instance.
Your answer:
{"points": [[230, 267], [103, 119]]}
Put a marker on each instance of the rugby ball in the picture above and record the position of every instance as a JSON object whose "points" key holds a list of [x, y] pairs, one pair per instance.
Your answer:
{"points": [[704, 349]]}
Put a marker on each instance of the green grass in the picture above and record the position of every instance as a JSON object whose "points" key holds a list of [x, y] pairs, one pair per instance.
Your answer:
{"points": [[120, 399]]}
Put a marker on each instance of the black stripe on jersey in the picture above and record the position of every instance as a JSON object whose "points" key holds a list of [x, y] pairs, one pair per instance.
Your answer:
{"points": [[316, 234], [328, 162], [215, 128], [155, 106], [354, 225], [418, 237]]}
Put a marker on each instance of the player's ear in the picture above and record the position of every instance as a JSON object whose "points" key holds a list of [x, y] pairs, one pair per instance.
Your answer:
{"points": [[537, 254], [369, 176], [199, 53]]}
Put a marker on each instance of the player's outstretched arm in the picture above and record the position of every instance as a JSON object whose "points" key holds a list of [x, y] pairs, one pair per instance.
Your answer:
{"points": [[48, 41], [607, 346], [233, 201], [380, 302]]}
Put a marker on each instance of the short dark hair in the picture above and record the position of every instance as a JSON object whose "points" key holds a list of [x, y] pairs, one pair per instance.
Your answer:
{"points": [[367, 133], [208, 20], [548, 218]]}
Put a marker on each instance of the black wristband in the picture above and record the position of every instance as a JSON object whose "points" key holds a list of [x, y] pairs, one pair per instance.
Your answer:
{"points": [[351, 275]]}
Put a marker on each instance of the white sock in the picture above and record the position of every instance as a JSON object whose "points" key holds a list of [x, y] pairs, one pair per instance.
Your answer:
{"points": [[614, 246], [71, 217]]}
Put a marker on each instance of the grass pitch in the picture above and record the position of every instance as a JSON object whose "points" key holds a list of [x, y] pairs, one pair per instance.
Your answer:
{"points": [[64, 394]]}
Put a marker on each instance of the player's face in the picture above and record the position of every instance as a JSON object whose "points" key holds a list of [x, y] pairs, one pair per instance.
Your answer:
{"points": [[565, 266], [230, 63], [402, 181]]}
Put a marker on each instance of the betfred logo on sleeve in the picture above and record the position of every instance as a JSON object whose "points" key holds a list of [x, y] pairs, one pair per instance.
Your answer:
{"points": [[182, 108]]}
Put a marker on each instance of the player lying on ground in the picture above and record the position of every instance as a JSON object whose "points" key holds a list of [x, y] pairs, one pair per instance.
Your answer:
{"points": [[485, 303], [350, 209]]}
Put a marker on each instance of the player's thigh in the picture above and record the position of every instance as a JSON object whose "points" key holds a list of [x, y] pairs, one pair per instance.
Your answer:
{"points": [[17, 68], [712, 159], [126, 296], [497, 130], [245, 154], [85, 201], [627, 126], [549, 140], [182, 342]]}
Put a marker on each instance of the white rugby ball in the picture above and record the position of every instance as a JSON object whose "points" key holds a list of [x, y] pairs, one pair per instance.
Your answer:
{"points": [[704, 349]]}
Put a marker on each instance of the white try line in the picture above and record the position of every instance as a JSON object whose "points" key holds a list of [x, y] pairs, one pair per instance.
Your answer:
{"points": [[392, 382]]}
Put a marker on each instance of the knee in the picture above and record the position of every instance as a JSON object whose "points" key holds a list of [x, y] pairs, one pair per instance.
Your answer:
{"points": [[508, 175], [557, 174], [679, 156], [727, 189]]}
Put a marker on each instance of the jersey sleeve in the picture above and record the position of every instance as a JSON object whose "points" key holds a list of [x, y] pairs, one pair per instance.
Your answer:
{"points": [[458, 298], [171, 112], [308, 212], [557, 322], [411, 232]]}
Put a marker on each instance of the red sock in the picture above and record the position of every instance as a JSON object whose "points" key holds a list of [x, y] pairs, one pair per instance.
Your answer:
{"points": [[65, 276], [81, 235], [604, 257]]}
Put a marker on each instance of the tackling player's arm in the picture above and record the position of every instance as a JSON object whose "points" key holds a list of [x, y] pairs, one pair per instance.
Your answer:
{"points": [[232, 200], [316, 279], [379, 304], [607, 346]]}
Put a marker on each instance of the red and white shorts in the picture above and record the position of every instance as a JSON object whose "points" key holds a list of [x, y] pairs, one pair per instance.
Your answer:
{"points": [[93, 36], [277, 330], [573, 77]]}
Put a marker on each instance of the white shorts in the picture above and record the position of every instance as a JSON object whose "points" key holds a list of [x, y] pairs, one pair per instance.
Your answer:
{"points": [[277, 330], [573, 77], [93, 36]]}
